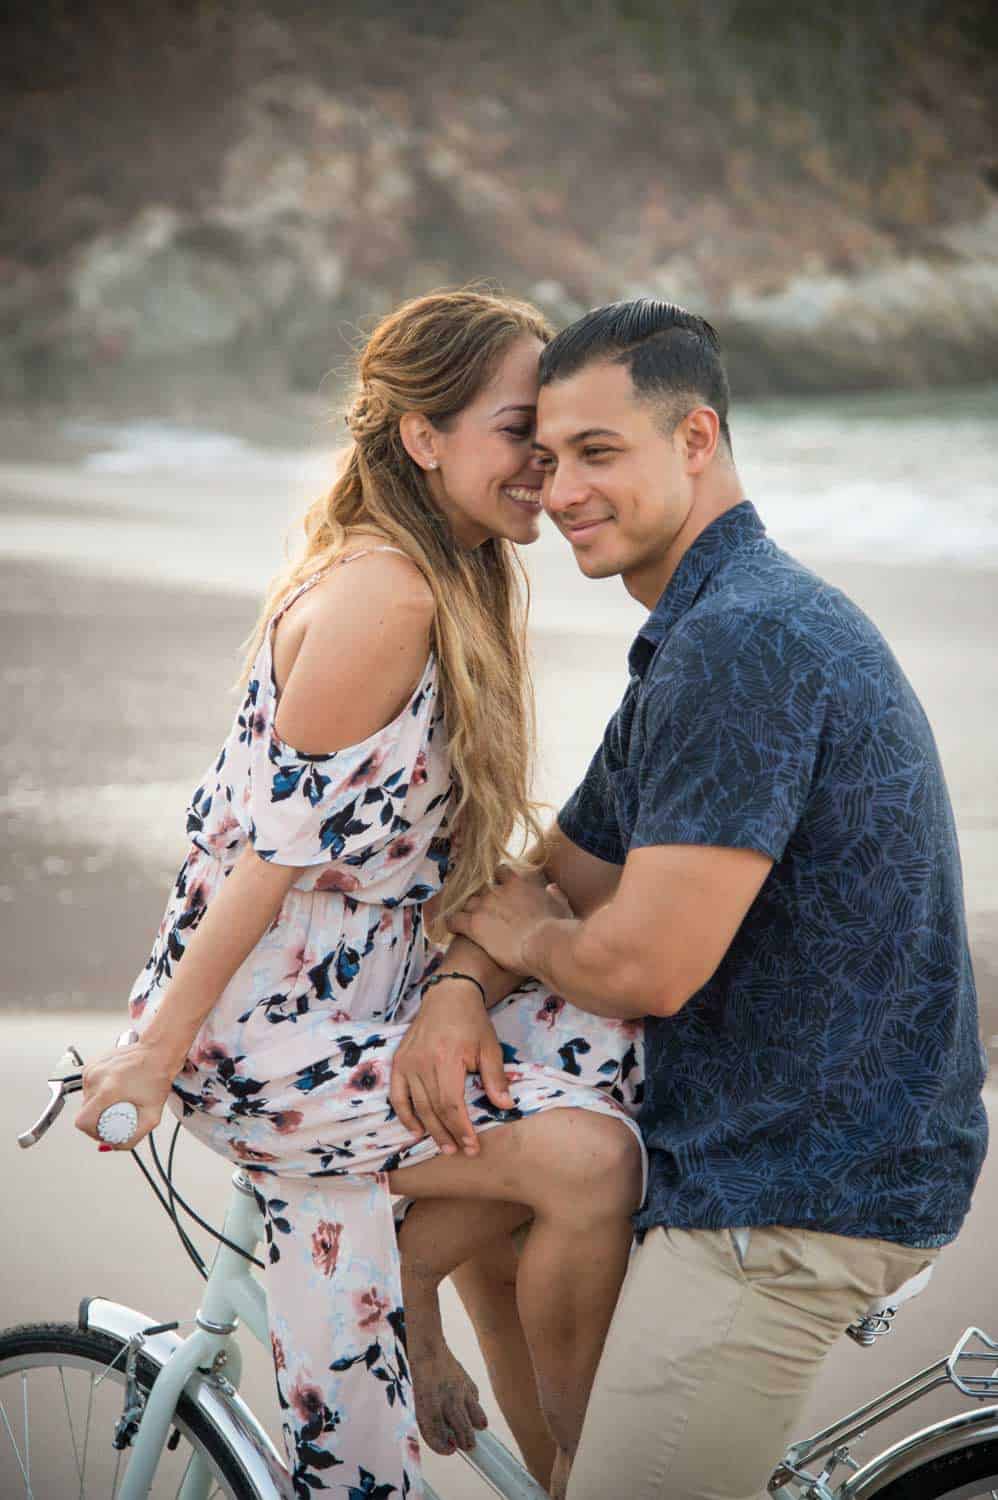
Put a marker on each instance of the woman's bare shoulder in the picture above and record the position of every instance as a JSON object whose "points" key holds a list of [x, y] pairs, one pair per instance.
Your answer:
{"points": [[369, 581], [356, 653]]}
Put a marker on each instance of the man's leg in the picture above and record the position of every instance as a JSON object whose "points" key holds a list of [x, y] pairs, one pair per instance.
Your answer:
{"points": [[710, 1360]]}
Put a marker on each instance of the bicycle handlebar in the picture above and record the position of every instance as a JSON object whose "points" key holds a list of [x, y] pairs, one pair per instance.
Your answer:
{"points": [[115, 1125]]}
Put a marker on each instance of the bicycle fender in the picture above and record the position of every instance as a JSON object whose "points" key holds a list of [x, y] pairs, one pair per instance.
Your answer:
{"points": [[216, 1399], [964, 1430]]}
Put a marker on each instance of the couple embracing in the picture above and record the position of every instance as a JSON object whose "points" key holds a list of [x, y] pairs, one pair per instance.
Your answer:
{"points": [[674, 1098]]}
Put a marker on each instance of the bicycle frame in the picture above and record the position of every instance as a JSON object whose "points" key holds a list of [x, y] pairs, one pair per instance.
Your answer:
{"points": [[207, 1365]]}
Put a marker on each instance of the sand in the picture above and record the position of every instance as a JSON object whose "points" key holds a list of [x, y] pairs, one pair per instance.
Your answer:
{"points": [[118, 694]]}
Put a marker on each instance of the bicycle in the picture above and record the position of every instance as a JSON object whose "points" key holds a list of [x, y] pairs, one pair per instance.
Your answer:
{"points": [[172, 1405]]}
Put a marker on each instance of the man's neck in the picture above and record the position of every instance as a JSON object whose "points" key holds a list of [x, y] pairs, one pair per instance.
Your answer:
{"points": [[648, 582]]}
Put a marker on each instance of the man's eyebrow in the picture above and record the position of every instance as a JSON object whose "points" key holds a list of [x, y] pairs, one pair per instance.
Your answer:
{"points": [[499, 410], [586, 434]]}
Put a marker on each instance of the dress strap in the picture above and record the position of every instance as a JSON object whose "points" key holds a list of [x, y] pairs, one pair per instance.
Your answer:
{"points": [[341, 562], [338, 562]]}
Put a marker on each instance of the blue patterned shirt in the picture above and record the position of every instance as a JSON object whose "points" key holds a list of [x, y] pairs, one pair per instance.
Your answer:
{"points": [[829, 1074]]}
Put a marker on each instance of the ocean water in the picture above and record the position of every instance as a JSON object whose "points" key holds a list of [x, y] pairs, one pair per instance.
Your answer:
{"points": [[893, 479]]}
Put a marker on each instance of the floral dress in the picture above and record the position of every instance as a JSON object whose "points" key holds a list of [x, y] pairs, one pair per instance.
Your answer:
{"points": [[289, 1074]]}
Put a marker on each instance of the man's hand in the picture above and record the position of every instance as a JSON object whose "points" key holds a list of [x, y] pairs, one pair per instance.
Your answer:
{"points": [[451, 1037], [501, 919]]}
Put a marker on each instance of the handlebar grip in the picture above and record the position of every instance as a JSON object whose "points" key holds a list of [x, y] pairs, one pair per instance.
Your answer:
{"points": [[118, 1123]]}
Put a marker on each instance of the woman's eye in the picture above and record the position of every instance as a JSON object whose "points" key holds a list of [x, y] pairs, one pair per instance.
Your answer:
{"points": [[520, 433], [596, 452]]}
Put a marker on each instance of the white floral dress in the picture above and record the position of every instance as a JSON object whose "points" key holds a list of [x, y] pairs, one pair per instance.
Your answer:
{"points": [[289, 1074]]}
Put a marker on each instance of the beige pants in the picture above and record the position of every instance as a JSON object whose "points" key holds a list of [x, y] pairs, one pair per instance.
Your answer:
{"points": [[715, 1346]]}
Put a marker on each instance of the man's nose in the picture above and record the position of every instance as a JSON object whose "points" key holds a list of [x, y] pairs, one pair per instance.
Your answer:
{"points": [[562, 490]]}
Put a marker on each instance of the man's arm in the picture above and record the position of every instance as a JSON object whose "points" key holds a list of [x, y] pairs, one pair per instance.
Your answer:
{"points": [[655, 943], [724, 748], [452, 1036]]}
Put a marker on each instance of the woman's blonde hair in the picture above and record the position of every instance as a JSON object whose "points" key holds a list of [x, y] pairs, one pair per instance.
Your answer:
{"points": [[434, 355]]}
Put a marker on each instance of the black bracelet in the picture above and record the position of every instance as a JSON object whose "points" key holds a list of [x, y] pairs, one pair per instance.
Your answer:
{"points": [[455, 974]]}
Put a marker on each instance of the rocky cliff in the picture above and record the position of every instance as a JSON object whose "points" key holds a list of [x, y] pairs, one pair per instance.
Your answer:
{"points": [[236, 185]]}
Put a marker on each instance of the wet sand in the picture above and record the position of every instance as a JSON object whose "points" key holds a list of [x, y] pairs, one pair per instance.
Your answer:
{"points": [[118, 694]]}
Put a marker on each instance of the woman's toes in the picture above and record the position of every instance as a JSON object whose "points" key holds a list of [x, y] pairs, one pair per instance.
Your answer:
{"points": [[476, 1414], [456, 1416]]}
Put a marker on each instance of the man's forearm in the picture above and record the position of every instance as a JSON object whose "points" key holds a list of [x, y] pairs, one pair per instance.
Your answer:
{"points": [[571, 957]]}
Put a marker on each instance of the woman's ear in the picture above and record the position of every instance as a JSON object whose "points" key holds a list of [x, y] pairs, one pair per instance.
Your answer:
{"points": [[419, 439]]}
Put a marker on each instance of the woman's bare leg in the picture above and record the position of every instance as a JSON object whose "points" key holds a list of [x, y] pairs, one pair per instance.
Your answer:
{"points": [[435, 1238], [486, 1284], [579, 1172], [440, 1238]]}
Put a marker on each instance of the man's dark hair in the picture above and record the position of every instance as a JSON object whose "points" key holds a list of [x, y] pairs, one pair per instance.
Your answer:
{"points": [[674, 357]]}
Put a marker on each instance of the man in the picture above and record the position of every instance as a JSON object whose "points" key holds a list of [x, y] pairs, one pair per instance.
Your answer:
{"points": [[762, 862]]}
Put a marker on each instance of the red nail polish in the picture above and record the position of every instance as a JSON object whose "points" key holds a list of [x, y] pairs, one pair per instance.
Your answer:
{"points": [[105, 1148]]}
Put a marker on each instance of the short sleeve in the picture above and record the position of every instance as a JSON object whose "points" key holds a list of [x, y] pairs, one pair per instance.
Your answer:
{"points": [[311, 809], [589, 817], [732, 725]]}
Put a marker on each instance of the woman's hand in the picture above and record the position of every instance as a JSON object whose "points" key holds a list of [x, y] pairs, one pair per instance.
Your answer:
{"points": [[139, 1075]]}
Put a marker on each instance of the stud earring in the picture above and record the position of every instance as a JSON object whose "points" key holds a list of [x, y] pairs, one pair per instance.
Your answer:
{"points": [[432, 464]]}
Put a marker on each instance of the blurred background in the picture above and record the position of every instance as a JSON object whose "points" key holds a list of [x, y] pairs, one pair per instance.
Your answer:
{"points": [[206, 204]]}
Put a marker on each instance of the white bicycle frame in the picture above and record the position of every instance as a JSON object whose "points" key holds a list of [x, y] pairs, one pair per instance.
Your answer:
{"points": [[207, 1365]]}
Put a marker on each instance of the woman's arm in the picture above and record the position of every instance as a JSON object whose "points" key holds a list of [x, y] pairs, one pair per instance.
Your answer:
{"points": [[361, 649], [228, 932]]}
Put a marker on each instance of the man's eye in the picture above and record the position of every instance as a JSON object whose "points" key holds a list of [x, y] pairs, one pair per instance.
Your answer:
{"points": [[543, 462], [596, 452]]}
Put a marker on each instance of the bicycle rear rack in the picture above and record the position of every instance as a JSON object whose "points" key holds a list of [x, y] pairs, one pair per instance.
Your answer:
{"points": [[832, 1442]]}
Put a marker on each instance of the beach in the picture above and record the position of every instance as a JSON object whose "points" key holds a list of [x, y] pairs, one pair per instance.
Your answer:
{"points": [[133, 557], [129, 575]]}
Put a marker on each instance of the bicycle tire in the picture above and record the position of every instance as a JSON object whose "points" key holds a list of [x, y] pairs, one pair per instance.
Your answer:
{"points": [[26, 1347], [963, 1474]]}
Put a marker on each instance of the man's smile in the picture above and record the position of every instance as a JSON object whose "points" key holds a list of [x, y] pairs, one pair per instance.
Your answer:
{"points": [[582, 529]]}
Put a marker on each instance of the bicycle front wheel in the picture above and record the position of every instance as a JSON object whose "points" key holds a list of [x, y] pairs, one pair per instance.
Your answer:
{"points": [[61, 1396], [969, 1473]]}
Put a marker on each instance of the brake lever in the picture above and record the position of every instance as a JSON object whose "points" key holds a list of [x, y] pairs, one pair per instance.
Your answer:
{"points": [[61, 1085]]}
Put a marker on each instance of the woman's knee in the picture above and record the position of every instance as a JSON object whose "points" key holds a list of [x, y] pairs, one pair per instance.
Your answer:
{"points": [[599, 1164]]}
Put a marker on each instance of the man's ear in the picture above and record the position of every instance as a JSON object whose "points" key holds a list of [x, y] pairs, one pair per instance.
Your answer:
{"points": [[699, 433], [420, 439]]}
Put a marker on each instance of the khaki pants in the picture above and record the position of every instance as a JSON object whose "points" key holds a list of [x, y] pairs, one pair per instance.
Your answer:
{"points": [[716, 1343]]}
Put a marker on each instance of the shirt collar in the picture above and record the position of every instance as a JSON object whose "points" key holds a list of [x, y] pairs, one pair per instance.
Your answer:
{"points": [[733, 529]]}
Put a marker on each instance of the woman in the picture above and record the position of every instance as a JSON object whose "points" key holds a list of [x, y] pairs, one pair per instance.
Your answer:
{"points": [[378, 762]]}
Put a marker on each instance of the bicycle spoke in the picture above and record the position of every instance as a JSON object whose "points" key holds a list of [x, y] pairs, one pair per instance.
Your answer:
{"points": [[69, 1419], [86, 1440], [17, 1451]]}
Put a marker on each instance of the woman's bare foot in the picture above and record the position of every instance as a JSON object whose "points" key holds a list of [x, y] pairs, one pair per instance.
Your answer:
{"points": [[447, 1406]]}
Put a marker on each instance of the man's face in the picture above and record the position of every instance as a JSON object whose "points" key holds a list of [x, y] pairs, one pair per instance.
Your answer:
{"points": [[615, 483]]}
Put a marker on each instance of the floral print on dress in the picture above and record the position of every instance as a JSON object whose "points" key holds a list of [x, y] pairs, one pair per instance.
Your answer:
{"points": [[289, 1074]]}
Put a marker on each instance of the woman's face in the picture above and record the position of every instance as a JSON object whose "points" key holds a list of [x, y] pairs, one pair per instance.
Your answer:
{"points": [[485, 480]]}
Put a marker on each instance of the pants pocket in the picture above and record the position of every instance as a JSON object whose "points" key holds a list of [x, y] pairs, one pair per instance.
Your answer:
{"points": [[770, 1254]]}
